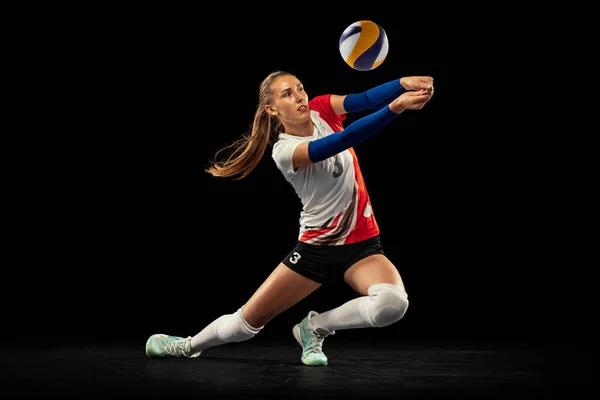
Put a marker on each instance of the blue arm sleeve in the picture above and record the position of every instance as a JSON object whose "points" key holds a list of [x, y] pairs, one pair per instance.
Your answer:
{"points": [[355, 133], [374, 98]]}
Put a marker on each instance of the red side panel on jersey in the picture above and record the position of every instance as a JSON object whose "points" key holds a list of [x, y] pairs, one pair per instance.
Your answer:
{"points": [[366, 225]]}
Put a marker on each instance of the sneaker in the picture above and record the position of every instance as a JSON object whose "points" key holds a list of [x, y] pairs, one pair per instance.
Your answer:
{"points": [[311, 341], [165, 346]]}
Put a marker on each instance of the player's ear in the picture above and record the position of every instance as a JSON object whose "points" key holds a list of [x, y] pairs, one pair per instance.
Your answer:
{"points": [[270, 110]]}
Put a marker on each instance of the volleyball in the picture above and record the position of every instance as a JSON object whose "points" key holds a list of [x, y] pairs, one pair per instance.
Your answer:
{"points": [[364, 45]]}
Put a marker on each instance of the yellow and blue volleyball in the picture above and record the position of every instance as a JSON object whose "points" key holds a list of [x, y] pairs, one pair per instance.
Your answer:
{"points": [[364, 45]]}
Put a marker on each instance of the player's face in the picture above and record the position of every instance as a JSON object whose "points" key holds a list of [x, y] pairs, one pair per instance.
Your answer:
{"points": [[290, 101]]}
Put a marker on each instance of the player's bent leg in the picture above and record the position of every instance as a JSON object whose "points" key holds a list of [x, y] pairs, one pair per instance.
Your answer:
{"points": [[386, 300]]}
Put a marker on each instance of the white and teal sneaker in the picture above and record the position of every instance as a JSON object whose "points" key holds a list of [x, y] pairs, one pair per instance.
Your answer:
{"points": [[311, 341], [165, 346]]}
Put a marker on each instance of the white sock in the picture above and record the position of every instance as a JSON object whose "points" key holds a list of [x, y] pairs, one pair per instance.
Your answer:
{"points": [[346, 316], [385, 304], [225, 329]]}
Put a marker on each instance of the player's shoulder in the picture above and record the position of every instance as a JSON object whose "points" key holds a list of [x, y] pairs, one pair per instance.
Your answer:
{"points": [[283, 141], [321, 103]]}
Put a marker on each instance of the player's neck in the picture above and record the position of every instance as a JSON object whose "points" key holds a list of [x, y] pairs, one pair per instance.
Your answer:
{"points": [[306, 128]]}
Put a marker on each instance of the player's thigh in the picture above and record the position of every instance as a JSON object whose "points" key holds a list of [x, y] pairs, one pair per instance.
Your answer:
{"points": [[282, 289], [371, 270]]}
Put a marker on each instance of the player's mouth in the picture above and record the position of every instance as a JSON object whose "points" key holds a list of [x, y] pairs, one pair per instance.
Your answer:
{"points": [[302, 108]]}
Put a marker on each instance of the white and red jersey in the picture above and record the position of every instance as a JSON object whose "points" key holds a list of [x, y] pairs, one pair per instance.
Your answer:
{"points": [[336, 206]]}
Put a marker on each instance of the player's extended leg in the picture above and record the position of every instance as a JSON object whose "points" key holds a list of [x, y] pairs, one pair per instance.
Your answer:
{"points": [[282, 289]]}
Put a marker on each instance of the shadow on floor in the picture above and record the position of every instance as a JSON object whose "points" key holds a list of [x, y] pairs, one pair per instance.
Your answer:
{"points": [[247, 370]]}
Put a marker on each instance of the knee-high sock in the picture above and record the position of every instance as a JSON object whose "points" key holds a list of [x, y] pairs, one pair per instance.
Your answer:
{"points": [[225, 329], [384, 305]]}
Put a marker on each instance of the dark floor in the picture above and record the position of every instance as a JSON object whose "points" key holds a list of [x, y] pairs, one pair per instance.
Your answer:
{"points": [[248, 370]]}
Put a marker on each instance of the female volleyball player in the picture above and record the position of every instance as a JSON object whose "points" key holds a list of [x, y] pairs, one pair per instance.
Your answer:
{"points": [[338, 236]]}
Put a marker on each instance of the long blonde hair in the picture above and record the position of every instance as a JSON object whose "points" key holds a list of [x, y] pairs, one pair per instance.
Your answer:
{"points": [[246, 152]]}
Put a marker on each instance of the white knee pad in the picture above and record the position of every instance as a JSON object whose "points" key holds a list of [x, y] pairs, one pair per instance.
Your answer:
{"points": [[234, 328], [385, 305]]}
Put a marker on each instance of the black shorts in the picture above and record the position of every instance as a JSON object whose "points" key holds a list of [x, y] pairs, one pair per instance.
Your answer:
{"points": [[328, 263]]}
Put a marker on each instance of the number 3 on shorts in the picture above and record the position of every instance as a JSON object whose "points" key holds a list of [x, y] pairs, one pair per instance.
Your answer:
{"points": [[295, 257]]}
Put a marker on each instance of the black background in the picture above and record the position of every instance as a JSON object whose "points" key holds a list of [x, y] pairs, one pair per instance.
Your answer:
{"points": [[120, 233]]}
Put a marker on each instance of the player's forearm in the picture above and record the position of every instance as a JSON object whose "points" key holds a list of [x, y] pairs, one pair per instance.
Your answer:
{"points": [[374, 98], [354, 134]]}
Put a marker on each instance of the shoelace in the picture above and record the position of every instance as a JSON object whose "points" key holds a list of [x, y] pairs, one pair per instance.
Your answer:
{"points": [[176, 349], [317, 339], [317, 342]]}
